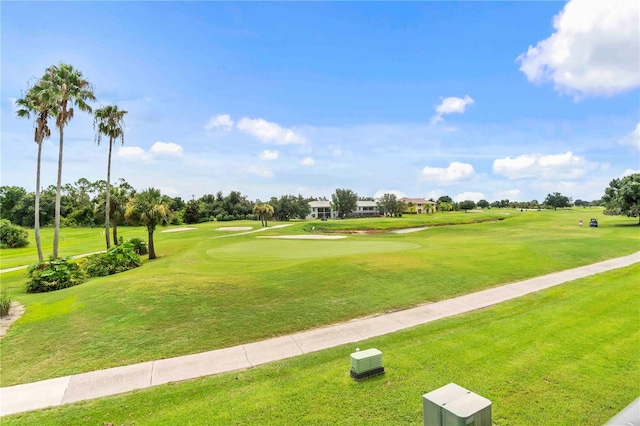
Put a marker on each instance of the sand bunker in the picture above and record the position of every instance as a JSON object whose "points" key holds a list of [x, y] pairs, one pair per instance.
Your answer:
{"points": [[307, 237], [235, 228], [178, 229]]}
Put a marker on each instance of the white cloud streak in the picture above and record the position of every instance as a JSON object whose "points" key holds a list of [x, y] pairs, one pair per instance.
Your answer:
{"points": [[222, 121], [632, 139], [307, 161], [268, 155], [166, 148], [260, 171], [595, 49], [554, 166], [269, 132], [473, 196], [456, 172], [451, 105]]}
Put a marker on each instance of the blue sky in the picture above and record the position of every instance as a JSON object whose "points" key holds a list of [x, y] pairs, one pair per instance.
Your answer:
{"points": [[473, 100]]}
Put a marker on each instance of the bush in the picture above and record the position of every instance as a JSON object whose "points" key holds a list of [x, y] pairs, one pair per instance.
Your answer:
{"points": [[12, 236], [117, 259], [139, 246], [54, 274], [5, 303]]}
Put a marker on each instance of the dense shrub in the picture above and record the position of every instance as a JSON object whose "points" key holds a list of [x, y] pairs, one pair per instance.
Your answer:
{"points": [[5, 303], [117, 259], [139, 246], [54, 274], [12, 236]]}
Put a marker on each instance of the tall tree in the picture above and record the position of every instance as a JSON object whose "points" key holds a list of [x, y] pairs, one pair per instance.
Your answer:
{"points": [[389, 204], [148, 209], [69, 89], [556, 200], [264, 211], [38, 101], [109, 121], [344, 201], [623, 196]]}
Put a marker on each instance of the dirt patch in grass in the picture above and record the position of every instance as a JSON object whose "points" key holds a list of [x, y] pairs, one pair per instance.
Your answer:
{"points": [[15, 311]]}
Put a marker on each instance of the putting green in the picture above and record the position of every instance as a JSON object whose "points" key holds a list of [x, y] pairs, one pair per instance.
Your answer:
{"points": [[270, 250]]}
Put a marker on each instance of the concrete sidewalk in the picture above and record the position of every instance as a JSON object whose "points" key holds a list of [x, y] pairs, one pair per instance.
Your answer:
{"points": [[96, 384]]}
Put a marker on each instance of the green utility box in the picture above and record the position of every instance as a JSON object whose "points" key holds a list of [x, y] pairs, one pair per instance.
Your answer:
{"points": [[453, 405], [365, 364]]}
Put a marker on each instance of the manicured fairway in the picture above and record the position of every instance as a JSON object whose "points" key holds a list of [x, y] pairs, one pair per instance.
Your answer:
{"points": [[211, 289], [564, 356]]}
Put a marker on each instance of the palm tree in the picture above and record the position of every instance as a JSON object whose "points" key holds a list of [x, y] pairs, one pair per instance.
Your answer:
{"points": [[37, 101], [264, 211], [149, 209], [109, 121], [69, 88]]}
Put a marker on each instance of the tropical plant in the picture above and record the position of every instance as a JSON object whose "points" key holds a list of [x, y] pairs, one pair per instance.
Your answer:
{"points": [[68, 89], [38, 101], [5, 302], [12, 236], [118, 258], [148, 209], [139, 246], [264, 211], [109, 121], [54, 274]]}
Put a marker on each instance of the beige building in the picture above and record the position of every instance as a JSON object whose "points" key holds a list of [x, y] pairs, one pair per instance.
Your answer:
{"points": [[419, 205]]}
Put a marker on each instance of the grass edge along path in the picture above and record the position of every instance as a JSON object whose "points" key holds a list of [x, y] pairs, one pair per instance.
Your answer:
{"points": [[336, 336]]}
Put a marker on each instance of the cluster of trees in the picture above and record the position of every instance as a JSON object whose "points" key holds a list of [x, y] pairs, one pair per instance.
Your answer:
{"points": [[56, 96], [622, 197]]}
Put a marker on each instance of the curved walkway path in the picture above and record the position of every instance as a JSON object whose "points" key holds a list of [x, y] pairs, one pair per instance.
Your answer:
{"points": [[96, 384]]}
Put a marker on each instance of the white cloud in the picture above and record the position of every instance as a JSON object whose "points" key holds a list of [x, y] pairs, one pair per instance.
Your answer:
{"points": [[266, 131], [335, 151], [595, 49], [222, 121], [260, 171], [268, 155], [629, 172], [166, 148], [133, 153], [168, 190], [456, 172], [473, 196], [307, 161], [555, 166], [380, 192], [632, 139], [451, 105]]}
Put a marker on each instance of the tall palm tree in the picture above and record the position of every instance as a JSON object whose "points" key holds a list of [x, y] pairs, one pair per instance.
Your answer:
{"points": [[38, 101], [109, 121], [149, 209], [69, 89]]}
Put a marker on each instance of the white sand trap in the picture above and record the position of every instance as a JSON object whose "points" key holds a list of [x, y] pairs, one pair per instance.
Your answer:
{"points": [[235, 228], [307, 237], [178, 229]]}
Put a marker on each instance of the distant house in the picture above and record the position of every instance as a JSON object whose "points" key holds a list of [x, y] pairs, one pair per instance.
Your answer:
{"points": [[322, 209], [419, 205]]}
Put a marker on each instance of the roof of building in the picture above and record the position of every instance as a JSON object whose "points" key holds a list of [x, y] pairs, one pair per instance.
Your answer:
{"points": [[416, 200]]}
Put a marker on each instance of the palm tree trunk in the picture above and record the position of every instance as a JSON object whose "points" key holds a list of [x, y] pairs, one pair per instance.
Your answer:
{"points": [[152, 251], [56, 232], [107, 207], [36, 225], [115, 232]]}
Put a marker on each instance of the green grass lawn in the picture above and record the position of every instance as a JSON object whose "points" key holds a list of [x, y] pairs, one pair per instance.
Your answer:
{"points": [[564, 356], [210, 290]]}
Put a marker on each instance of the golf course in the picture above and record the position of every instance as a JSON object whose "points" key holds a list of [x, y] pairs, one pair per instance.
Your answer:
{"points": [[567, 355]]}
